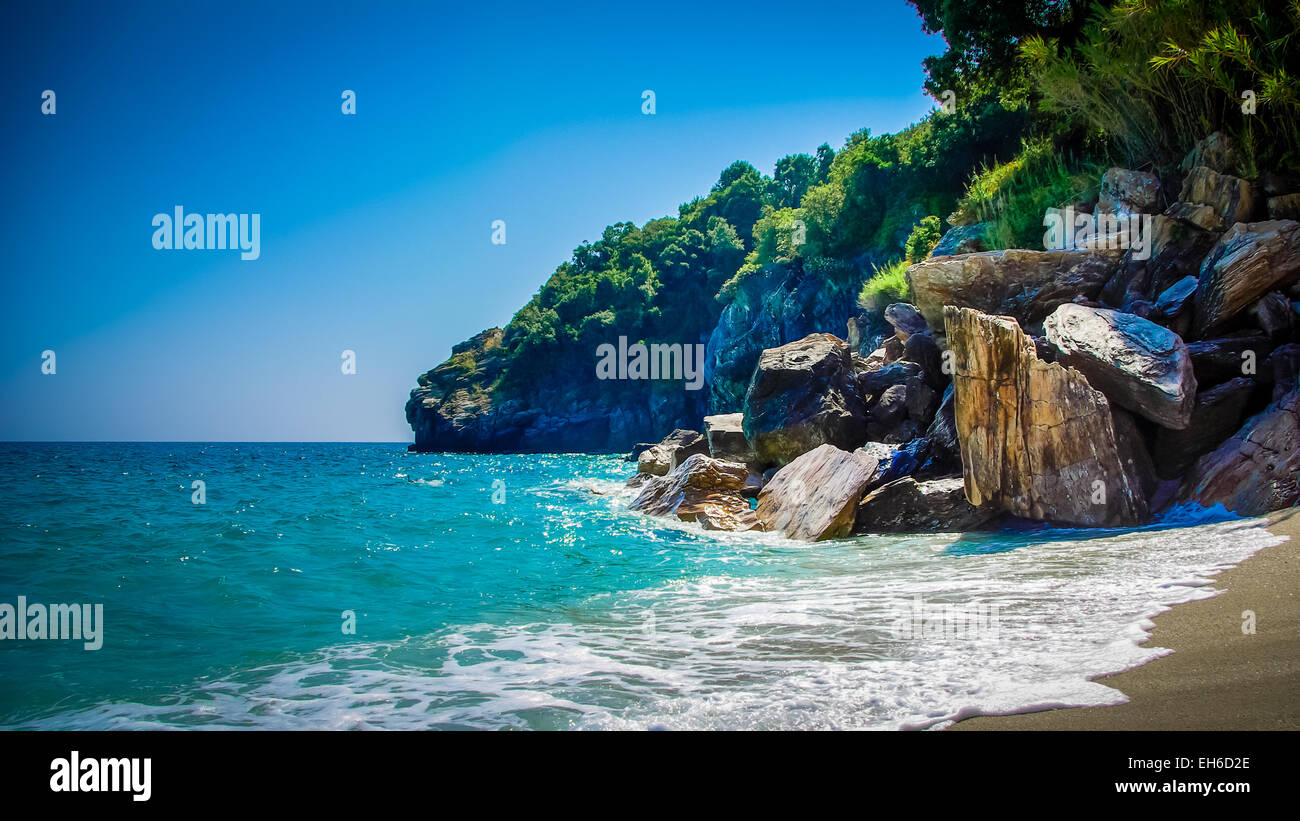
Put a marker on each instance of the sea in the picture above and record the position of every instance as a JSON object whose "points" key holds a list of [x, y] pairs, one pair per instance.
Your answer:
{"points": [[360, 586]]}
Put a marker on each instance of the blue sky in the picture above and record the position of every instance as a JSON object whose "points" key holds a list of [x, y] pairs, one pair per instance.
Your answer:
{"points": [[375, 228]]}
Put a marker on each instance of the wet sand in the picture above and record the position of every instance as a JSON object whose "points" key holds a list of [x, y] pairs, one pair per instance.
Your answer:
{"points": [[1217, 678]]}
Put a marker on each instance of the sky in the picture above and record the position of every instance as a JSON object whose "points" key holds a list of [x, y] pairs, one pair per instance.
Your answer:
{"points": [[375, 227]]}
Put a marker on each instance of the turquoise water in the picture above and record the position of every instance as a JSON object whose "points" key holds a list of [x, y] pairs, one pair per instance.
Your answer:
{"points": [[543, 605]]}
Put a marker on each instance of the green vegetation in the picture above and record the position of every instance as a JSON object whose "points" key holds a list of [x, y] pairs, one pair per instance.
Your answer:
{"points": [[886, 285]]}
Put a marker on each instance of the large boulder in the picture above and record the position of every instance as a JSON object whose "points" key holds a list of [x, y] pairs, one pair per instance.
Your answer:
{"points": [[1249, 260], [1138, 364], [1258, 469], [1232, 198], [1026, 285], [816, 496], [1215, 416], [1036, 440], [1216, 151], [700, 488], [726, 437], [1173, 249], [659, 459], [908, 506], [802, 395]]}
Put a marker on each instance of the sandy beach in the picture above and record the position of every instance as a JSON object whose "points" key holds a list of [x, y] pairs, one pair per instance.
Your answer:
{"points": [[1217, 678]]}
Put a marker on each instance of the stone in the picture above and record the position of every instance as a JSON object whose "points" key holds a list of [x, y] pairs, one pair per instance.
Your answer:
{"points": [[1124, 191], [1036, 440], [1026, 285], [814, 497], [1283, 367], [1285, 207], [1133, 451], [1272, 314], [1197, 215], [1232, 198], [1257, 470], [1138, 364], [802, 395], [1216, 151], [905, 319], [1216, 415], [726, 437], [1173, 250], [908, 506], [1248, 261], [1240, 353], [1177, 298], [671, 452], [962, 239], [700, 487]]}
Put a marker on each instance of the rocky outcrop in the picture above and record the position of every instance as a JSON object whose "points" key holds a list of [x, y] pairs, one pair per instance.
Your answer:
{"points": [[1249, 260], [676, 447], [1036, 440], [1215, 416], [1135, 362], [1173, 250], [1026, 285], [774, 307], [1284, 207], [700, 489], [908, 506], [814, 497], [1258, 469], [1240, 353], [803, 394]]}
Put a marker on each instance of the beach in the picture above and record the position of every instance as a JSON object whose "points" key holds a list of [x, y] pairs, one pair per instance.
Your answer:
{"points": [[1218, 677]]}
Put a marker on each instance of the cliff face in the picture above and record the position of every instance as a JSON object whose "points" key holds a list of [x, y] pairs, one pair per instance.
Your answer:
{"points": [[469, 403], [466, 404]]}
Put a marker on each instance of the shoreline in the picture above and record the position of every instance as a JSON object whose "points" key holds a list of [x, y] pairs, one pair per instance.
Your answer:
{"points": [[1217, 677]]}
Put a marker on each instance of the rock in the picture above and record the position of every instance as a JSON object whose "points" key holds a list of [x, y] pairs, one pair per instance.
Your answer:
{"points": [[814, 497], [1258, 469], [1249, 260], [1177, 298], [1026, 285], [802, 395], [924, 351], [874, 383], [1134, 454], [1285, 207], [1135, 362], [1236, 354], [1036, 440], [908, 506], [962, 239], [726, 437], [1216, 151], [671, 452], [700, 487], [943, 456], [1273, 315], [905, 319], [1128, 192], [1197, 215], [1216, 415], [1283, 367], [1232, 198], [638, 449], [1173, 250]]}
